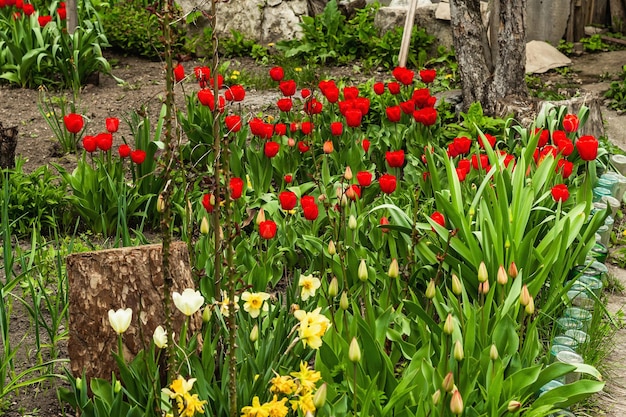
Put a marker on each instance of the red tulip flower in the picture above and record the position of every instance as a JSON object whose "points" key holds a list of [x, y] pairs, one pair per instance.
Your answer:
{"points": [[235, 93], [303, 147], [560, 193], [383, 222], [336, 128], [208, 201], [421, 98], [236, 188], [404, 75], [544, 135], [288, 178], [426, 116], [124, 151], [587, 147], [310, 211], [305, 92], [350, 93], [331, 93], [387, 183], [462, 145], [379, 88], [408, 107], [365, 143], [179, 73], [353, 192], [364, 178], [90, 144], [394, 87], [288, 200], [288, 88], [461, 174], [267, 229], [428, 75], [570, 123], [277, 73], [565, 146], [394, 113], [233, 123], [285, 104], [438, 218], [465, 165], [29, 9], [271, 149], [112, 124], [313, 106], [557, 136], [565, 167], [354, 117], [104, 141], [138, 156], [490, 138], [306, 128], [61, 12], [44, 20], [395, 159], [73, 122], [206, 98]]}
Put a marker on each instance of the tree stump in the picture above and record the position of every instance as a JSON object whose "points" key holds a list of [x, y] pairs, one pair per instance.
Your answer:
{"points": [[8, 143], [594, 125], [120, 278]]}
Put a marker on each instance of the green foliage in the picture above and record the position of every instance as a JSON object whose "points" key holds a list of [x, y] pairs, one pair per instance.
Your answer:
{"points": [[594, 43], [617, 93], [238, 46], [565, 47]]}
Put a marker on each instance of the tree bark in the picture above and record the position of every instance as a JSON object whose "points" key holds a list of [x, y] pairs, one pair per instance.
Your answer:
{"points": [[491, 63]]}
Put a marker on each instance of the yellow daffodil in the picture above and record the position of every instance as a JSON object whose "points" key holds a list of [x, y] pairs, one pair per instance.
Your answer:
{"points": [[277, 408], [309, 285], [254, 302], [307, 378], [304, 403], [179, 387], [189, 405], [255, 410], [283, 384], [313, 326], [224, 304]]}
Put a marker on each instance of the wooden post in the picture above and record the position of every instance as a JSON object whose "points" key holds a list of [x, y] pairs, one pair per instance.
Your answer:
{"points": [[406, 34], [618, 15], [72, 16], [120, 278], [8, 143]]}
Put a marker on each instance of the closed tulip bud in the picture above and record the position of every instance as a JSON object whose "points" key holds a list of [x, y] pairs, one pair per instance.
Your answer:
{"points": [[362, 272], [524, 296], [502, 276], [333, 287], [394, 269], [457, 287], [530, 307], [456, 403], [344, 201], [319, 399], [493, 353], [204, 226], [328, 146], [343, 301], [448, 325], [254, 333], [79, 383], [513, 270], [448, 382], [458, 351], [331, 248], [472, 212], [118, 387], [322, 197], [483, 287], [206, 314], [430, 290], [160, 204], [507, 244], [513, 406], [260, 217], [354, 352], [482, 272], [352, 222], [348, 173], [436, 397]]}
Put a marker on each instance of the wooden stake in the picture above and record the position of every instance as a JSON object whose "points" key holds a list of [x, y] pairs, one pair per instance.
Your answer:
{"points": [[406, 34]]}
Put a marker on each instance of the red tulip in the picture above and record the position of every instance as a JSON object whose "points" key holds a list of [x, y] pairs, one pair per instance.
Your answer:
{"points": [[90, 144], [336, 128], [267, 229], [331, 93], [310, 211], [587, 147], [104, 141], [565, 167], [404, 75], [288, 88], [465, 165], [566, 147], [303, 147], [179, 73], [557, 136], [288, 178], [438, 218], [112, 124], [462, 145], [354, 117], [73, 122], [206, 98], [235, 93], [428, 75], [350, 93], [394, 113], [236, 188], [560, 192], [233, 123], [408, 107], [570, 123], [544, 135], [387, 183], [288, 200], [421, 98], [353, 192], [383, 222], [305, 92], [364, 178], [203, 74], [208, 201], [124, 151], [44, 20], [138, 156], [490, 138], [426, 116], [395, 159], [379, 88], [313, 106], [394, 87], [277, 73], [365, 143], [461, 174], [285, 104], [306, 128], [271, 149], [29, 9], [257, 126]]}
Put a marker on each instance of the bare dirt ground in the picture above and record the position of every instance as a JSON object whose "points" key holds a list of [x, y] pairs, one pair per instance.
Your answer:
{"points": [[143, 87]]}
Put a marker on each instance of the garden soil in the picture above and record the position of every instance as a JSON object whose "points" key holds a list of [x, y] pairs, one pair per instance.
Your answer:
{"points": [[141, 89]]}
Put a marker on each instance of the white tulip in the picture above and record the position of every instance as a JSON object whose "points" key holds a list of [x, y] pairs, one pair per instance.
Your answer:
{"points": [[120, 319], [189, 301], [160, 337]]}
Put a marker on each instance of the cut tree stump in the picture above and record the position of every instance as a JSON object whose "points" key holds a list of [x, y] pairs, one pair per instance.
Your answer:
{"points": [[594, 125], [8, 143], [120, 278]]}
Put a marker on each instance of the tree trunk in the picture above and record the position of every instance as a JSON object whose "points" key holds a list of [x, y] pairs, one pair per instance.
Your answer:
{"points": [[120, 278], [8, 143], [491, 63]]}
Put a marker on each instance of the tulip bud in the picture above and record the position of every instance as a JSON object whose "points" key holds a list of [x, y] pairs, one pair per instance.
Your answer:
{"points": [[354, 352], [331, 248], [333, 287], [204, 226], [322, 197], [513, 406], [448, 325], [502, 277], [394, 269], [507, 243], [343, 200], [118, 386], [362, 272], [206, 314], [513, 270], [260, 217], [483, 287], [456, 403], [448, 382], [457, 287], [291, 142], [436, 397], [482, 272], [524, 296], [352, 222], [343, 301], [493, 353], [458, 351], [254, 333], [328, 146], [530, 308], [160, 204], [79, 383], [472, 211], [319, 399], [430, 290], [348, 173]]}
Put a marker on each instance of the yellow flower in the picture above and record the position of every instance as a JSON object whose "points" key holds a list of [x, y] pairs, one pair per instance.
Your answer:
{"points": [[283, 384], [255, 410], [224, 304], [189, 405], [254, 302], [309, 285], [277, 408], [304, 403], [179, 387], [233, 77], [313, 326], [297, 69], [307, 378], [235, 72]]}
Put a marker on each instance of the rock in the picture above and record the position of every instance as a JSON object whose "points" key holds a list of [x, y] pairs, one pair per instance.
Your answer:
{"points": [[542, 57]]}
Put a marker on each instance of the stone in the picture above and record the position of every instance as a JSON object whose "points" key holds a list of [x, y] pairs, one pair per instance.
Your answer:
{"points": [[120, 278], [542, 57], [547, 20]]}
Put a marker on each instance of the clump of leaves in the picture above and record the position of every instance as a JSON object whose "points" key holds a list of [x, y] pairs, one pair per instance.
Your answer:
{"points": [[239, 46], [617, 93]]}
